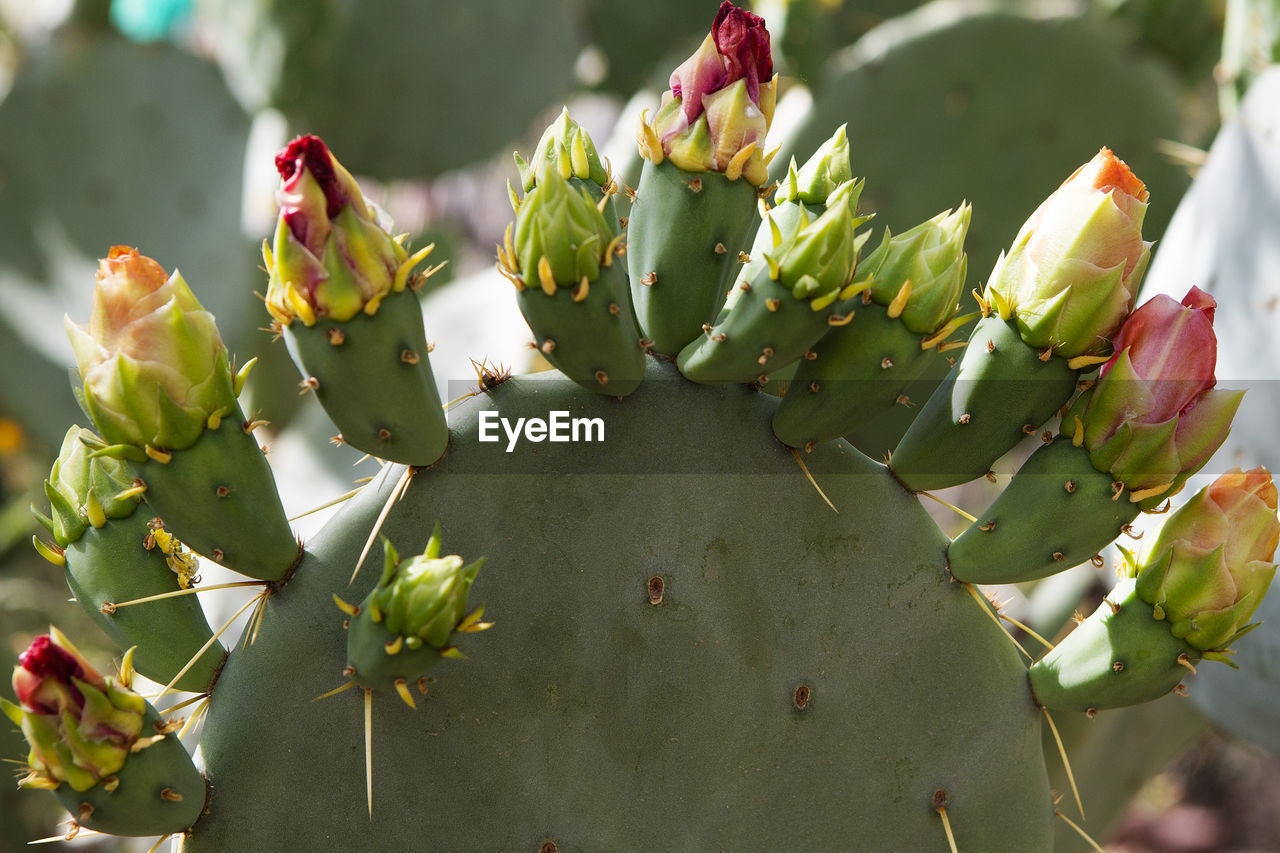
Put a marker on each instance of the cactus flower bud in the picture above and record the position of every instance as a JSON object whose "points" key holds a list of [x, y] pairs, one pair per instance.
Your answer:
{"points": [[930, 262], [79, 725], [331, 257], [153, 364], [1210, 566], [102, 751], [818, 178], [568, 148], [819, 258], [560, 235], [405, 624], [717, 112], [1073, 271], [85, 490], [1154, 417], [423, 599]]}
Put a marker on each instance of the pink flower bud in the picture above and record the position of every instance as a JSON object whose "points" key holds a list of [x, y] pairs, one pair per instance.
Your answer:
{"points": [[1154, 417], [718, 110]]}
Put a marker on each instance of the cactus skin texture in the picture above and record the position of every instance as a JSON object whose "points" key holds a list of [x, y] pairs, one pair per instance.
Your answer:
{"points": [[594, 718]]}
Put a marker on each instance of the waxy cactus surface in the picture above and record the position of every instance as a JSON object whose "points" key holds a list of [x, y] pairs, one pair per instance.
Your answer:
{"points": [[715, 623]]}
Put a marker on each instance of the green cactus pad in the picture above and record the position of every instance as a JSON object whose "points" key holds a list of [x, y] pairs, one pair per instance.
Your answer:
{"points": [[767, 328], [878, 436], [219, 497], [683, 238], [1057, 512], [373, 378], [859, 371], [110, 564], [138, 806], [997, 394], [593, 341], [1116, 657], [644, 697]]}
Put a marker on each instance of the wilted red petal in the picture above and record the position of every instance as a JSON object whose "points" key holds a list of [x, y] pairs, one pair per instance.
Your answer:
{"points": [[309, 153], [46, 659], [743, 41], [45, 664]]}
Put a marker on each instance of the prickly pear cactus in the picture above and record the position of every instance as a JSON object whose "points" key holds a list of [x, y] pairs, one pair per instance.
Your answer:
{"points": [[699, 624]]}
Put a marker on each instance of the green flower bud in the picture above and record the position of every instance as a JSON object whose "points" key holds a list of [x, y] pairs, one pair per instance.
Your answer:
{"points": [[1211, 564], [818, 260], [818, 178], [926, 262], [560, 235], [154, 367], [1073, 271], [85, 490], [566, 147], [423, 599]]}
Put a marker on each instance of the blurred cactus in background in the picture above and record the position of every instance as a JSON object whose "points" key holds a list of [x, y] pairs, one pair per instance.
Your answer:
{"points": [[690, 617]]}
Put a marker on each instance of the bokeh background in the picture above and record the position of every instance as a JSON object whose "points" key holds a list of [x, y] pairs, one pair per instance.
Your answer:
{"points": [[153, 123]]}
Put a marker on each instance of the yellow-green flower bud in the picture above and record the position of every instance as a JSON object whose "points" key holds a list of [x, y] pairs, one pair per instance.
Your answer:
{"points": [[929, 262], [153, 364], [1073, 271], [818, 178], [423, 599], [560, 235], [1211, 563], [819, 259], [86, 490], [566, 147]]}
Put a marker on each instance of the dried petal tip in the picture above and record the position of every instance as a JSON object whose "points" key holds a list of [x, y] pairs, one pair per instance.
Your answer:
{"points": [[1107, 172], [1071, 275]]}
